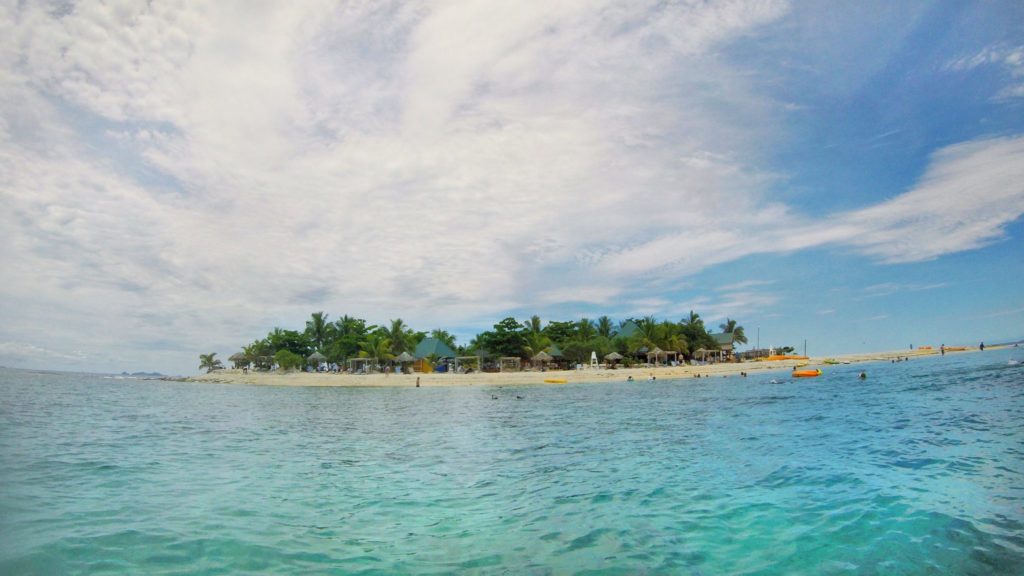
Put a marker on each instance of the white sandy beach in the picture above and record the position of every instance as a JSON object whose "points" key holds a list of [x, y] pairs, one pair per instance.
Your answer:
{"points": [[538, 377]]}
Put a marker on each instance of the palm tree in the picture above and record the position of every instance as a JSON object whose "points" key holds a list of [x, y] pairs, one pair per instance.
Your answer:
{"points": [[209, 362], [605, 327], [677, 343], [533, 325], [730, 327], [585, 329], [443, 336], [375, 346], [400, 335], [648, 326], [693, 320], [317, 328], [536, 342]]}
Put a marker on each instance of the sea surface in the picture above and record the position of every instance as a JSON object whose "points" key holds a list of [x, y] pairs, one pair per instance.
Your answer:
{"points": [[916, 470]]}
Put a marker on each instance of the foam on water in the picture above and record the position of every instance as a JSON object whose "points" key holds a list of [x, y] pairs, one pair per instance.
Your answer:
{"points": [[918, 469]]}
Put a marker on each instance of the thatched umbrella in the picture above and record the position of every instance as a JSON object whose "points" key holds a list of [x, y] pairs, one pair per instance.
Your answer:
{"points": [[402, 359], [316, 358], [613, 356], [239, 359], [656, 353], [542, 357]]}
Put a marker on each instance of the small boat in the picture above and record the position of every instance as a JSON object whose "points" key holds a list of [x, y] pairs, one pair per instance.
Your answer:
{"points": [[555, 380], [806, 373]]}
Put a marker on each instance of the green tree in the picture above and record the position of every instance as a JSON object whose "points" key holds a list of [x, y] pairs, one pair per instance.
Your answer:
{"points": [[376, 346], [346, 335], [400, 336], [210, 362], [730, 327], [260, 353], [533, 325], [443, 336], [560, 332], [288, 360], [317, 329], [507, 338], [692, 329], [536, 342], [585, 330], [296, 342], [605, 327], [577, 352]]}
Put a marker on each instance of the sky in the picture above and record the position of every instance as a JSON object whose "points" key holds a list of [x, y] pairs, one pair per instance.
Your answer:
{"points": [[181, 177]]}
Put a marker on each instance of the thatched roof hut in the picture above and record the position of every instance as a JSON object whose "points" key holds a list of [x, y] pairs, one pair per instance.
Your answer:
{"points": [[239, 359]]}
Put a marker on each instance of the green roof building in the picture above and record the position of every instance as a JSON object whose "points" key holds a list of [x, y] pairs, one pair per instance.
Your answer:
{"points": [[433, 347]]}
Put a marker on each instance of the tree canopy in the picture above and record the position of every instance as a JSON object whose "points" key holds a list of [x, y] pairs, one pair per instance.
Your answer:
{"points": [[350, 337]]}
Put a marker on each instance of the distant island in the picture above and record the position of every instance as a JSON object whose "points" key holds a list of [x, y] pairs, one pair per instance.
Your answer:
{"points": [[353, 345]]}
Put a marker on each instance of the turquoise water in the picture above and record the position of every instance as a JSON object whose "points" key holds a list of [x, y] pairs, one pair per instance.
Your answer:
{"points": [[917, 470]]}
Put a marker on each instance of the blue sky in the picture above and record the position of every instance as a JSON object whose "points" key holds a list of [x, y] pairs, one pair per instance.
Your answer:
{"points": [[181, 177]]}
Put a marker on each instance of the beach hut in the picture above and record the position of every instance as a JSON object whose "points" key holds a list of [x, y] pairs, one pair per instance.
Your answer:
{"points": [[403, 359], [239, 359], [315, 359], [628, 329], [431, 349], [541, 358], [657, 353], [724, 341], [613, 357]]}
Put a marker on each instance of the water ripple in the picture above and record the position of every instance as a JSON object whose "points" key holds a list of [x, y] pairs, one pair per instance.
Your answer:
{"points": [[915, 470]]}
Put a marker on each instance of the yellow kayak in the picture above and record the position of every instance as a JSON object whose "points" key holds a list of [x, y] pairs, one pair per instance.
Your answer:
{"points": [[555, 380]]}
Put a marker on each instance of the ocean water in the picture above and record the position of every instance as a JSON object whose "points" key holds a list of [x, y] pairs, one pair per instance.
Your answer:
{"points": [[917, 470]]}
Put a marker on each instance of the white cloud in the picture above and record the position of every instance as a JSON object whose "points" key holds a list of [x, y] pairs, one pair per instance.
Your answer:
{"points": [[889, 288], [1009, 58], [20, 352], [180, 177]]}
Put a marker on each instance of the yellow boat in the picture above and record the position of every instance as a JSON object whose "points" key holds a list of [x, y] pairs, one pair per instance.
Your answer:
{"points": [[806, 373], [785, 357], [555, 380]]}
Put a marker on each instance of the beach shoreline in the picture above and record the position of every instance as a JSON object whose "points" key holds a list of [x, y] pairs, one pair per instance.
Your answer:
{"points": [[586, 375]]}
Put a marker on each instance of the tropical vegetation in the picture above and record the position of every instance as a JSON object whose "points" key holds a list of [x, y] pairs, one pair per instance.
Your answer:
{"points": [[210, 362], [348, 338]]}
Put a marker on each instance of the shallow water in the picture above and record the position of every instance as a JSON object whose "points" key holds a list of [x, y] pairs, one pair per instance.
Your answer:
{"points": [[917, 470]]}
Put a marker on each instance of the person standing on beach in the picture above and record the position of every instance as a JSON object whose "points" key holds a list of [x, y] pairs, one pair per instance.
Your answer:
{"points": [[417, 381], [942, 349], [982, 347]]}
